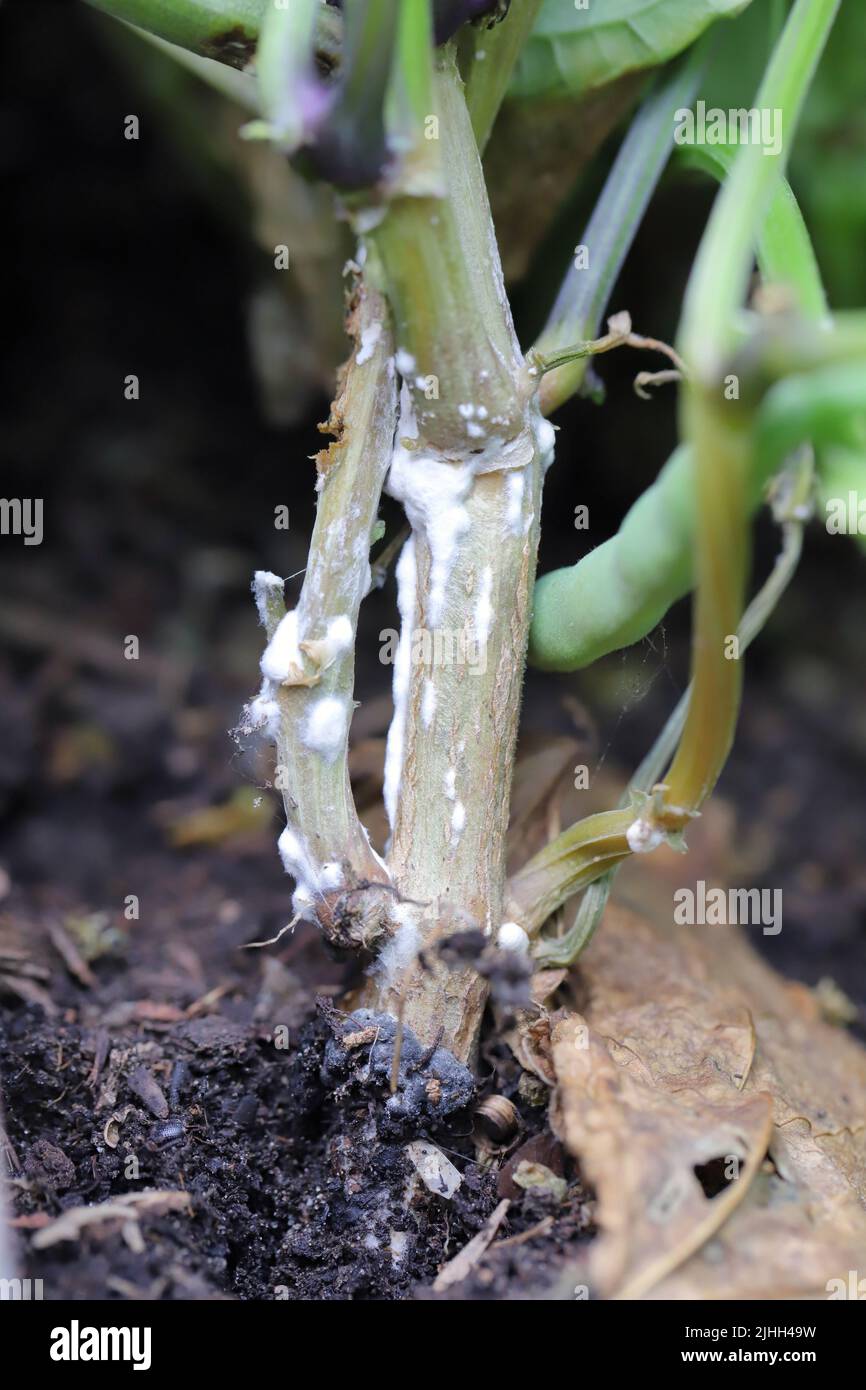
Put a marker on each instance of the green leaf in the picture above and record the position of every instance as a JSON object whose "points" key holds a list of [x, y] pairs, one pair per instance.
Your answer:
{"points": [[575, 50], [843, 471], [829, 158]]}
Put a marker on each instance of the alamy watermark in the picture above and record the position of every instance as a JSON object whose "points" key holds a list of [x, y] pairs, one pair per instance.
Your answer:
{"points": [[853, 1288], [737, 126], [846, 516], [721, 907], [20, 1290], [22, 516], [442, 647]]}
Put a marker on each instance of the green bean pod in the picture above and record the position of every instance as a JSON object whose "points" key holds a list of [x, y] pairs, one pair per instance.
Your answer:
{"points": [[619, 592]]}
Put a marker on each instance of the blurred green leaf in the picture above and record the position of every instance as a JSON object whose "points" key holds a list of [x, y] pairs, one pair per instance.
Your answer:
{"points": [[827, 169], [843, 473], [576, 50]]}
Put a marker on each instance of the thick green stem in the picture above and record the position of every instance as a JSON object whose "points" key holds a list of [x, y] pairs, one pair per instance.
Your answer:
{"points": [[469, 479], [792, 513], [440, 266], [784, 249], [719, 430], [308, 667], [717, 427], [492, 54]]}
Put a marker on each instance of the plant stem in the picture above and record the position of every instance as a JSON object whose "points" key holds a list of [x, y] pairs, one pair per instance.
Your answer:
{"points": [[719, 429], [467, 570], [619, 591], [490, 63], [320, 811], [440, 267], [226, 30], [564, 950], [411, 101], [579, 306], [784, 248], [720, 274]]}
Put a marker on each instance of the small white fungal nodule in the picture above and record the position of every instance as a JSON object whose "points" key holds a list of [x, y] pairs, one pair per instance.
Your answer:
{"points": [[326, 726], [483, 606], [262, 714], [311, 879], [512, 937], [643, 836], [266, 586], [428, 704], [369, 338], [545, 441], [282, 656], [401, 948]]}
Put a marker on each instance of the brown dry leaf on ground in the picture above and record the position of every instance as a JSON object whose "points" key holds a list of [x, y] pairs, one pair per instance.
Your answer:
{"points": [[691, 1051]]}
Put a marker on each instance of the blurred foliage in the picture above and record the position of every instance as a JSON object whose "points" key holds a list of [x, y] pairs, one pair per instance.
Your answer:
{"points": [[576, 50], [828, 170], [828, 163]]}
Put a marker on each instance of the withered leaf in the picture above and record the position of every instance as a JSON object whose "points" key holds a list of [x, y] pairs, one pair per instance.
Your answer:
{"points": [[693, 1059]]}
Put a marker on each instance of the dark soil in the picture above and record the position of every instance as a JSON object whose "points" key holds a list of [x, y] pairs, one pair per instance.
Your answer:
{"points": [[138, 853], [297, 1172]]}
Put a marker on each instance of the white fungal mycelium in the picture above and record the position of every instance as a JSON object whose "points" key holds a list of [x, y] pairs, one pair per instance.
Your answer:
{"points": [[339, 634], [326, 726], [483, 606], [266, 587], [402, 947], [515, 484], [433, 493], [470, 414], [458, 821], [365, 219], [428, 704], [643, 836], [312, 880], [512, 937], [282, 659], [545, 441], [406, 590], [262, 714], [369, 338], [404, 362], [338, 638]]}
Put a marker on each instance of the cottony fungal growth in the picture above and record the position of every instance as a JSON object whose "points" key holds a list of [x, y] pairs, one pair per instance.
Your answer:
{"points": [[459, 199]]}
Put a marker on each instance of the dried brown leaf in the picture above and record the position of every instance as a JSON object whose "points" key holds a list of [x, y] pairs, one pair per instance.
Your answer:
{"points": [[691, 1049]]}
